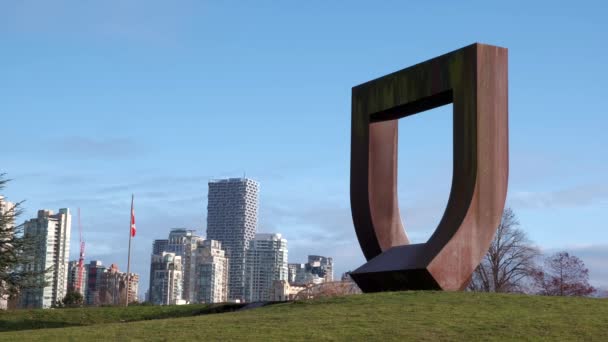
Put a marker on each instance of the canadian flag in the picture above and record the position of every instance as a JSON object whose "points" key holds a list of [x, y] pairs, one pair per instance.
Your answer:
{"points": [[133, 229]]}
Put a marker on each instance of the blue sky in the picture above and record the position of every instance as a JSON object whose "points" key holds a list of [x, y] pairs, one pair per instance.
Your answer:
{"points": [[99, 100]]}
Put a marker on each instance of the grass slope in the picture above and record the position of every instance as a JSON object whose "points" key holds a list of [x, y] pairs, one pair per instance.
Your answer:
{"points": [[416, 316], [40, 319]]}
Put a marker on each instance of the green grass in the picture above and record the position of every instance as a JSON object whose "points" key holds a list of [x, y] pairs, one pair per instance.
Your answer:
{"points": [[58, 318], [415, 316]]}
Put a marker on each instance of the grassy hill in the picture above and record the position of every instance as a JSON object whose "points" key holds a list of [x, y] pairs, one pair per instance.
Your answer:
{"points": [[417, 316], [60, 318]]}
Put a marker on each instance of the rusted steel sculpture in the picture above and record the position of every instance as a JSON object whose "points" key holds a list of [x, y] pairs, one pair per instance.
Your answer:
{"points": [[474, 79]]}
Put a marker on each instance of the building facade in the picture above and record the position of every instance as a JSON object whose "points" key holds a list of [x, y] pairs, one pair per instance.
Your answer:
{"points": [[133, 287], [94, 271], [232, 215], [166, 279], [211, 272], [321, 266], [50, 234], [266, 263], [113, 287], [159, 246], [73, 285], [297, 273], [182, 242], [317, 270], [282, 290]]}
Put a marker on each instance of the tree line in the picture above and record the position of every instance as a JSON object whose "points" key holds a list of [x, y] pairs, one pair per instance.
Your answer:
{"points": [[514, 264]]}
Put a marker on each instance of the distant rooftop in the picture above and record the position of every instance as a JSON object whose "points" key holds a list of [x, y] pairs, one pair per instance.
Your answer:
{"points": [[183, 230], [232, 180]]}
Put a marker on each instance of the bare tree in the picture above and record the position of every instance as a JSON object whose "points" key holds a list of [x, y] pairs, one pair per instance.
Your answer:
{"points": [[15, 251], [510, 262], [564, 275]]}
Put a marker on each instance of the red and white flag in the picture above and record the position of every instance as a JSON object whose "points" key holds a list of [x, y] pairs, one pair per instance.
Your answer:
{"points": [[133, 229]]}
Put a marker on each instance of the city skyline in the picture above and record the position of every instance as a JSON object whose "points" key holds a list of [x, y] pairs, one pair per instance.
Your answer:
{"points": [[157, 101], [185, 245]]}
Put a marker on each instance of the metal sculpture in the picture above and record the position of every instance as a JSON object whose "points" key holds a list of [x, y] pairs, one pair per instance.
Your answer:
{"points": [[474, 79]]}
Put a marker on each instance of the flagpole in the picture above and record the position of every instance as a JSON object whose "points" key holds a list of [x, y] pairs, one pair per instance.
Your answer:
{"points": [[129, 257]]}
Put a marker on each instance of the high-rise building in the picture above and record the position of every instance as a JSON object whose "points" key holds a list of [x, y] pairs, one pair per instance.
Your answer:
{"points": [[166, 280], [159, 246], [182, 242], [210, 267], [73, 279], [317, 270], [50, 234], [94, 271], [232, 215], [296, 273], [321, 266], [301, 274], [113, 286], [266, 262]]}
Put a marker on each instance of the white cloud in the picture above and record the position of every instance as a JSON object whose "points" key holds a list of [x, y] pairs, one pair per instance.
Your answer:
{"points": [[575, 196], [91, 148]]}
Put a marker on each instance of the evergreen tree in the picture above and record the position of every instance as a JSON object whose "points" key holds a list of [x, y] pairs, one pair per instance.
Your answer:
{"points": [[15, 250]]}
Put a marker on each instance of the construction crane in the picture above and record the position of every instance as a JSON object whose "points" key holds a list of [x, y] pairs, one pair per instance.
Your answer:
{"points": [[80, 269]]}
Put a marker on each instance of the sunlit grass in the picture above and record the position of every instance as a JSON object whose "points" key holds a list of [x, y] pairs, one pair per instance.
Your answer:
{"points": [[411, 316]]}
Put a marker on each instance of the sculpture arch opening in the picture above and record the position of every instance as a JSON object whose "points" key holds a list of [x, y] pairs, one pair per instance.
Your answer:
{"points": [[424, 170]]}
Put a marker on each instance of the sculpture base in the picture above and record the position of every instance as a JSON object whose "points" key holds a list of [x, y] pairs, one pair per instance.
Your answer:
{"points": [[397, 269]]}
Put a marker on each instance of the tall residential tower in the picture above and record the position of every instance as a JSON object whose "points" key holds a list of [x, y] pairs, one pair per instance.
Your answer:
{"points": [[167, 281], [182, 242], [73, 285], [232, 217], [266, 263], [210, 275], [50, 234], [94, 271]]}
